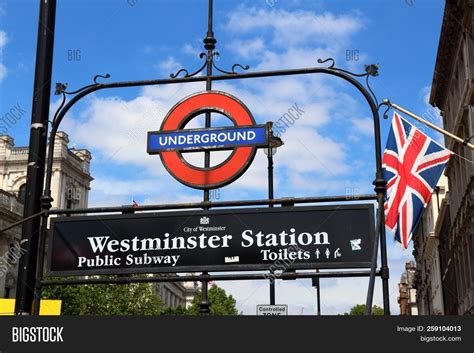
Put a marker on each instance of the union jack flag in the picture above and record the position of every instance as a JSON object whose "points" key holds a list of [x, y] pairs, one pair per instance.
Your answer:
{"points": [[412, 166]]}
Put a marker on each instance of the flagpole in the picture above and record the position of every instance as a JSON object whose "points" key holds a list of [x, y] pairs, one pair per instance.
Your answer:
{"points": [[431, 125]]}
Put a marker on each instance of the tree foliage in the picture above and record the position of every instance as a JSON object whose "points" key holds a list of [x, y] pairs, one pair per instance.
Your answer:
{"points": [[131, 299], [106, 299], [221, 302], [179, 310], [359, 309]]}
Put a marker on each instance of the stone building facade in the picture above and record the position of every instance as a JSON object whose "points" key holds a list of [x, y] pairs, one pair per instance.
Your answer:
{"points": [[191, 288], [172, 293], [453, 93], [71, 175], [11, 211], [428, 281], [176, 294], [70, 189], [407, 290]]}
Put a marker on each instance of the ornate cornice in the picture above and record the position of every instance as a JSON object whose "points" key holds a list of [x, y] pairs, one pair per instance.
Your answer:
{"points": [[451, 33]]}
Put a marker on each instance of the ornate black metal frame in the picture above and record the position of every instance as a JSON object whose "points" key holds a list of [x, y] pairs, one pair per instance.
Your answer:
{"points": [[209, 55]]}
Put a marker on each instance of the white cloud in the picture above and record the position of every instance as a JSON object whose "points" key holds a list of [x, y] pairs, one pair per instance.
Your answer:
{"points": [[3, 42], [116, 128], [192, 50], [3, 71], [296, 27], [307, 151], [168, 66], [364, 126], [248, 48], [3, 39], [114, 191]]}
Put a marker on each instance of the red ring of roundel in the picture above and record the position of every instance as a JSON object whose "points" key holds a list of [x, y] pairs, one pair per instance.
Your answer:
{"points": [[224, 173]]}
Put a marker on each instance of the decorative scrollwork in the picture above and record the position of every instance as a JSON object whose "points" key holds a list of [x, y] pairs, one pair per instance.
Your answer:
{"points": [[385, 102], [321, 61], [209, 59], [186, 72], [61, 87], [370, 88], [178, 72], [102, 76], [232, 72], [371, 70]]}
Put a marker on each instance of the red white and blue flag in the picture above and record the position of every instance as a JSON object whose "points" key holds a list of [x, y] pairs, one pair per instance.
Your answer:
{"points": [[412, 166]]}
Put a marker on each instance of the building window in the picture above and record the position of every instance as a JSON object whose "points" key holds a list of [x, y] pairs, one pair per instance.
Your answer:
{"points": [[22, 193]]}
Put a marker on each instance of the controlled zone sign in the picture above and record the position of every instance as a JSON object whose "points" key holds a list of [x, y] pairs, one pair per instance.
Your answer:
{"points": [[272, 310], [278, 238]]}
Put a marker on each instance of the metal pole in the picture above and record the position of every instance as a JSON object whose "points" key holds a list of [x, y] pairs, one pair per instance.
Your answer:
{"points": [[316, 282], [427, 123], [373, 268], [384, 271], [270, 174], [218, 204], [270, 197], [318, 293], [272, 287], [205, 303], [40, 265], [36, 156], [380, 188], [209, 45], [206, 277], [380, 184]]}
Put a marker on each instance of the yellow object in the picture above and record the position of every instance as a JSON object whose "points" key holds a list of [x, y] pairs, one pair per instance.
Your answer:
{"points": [[50, 307], [47, 307], [7, 306]]}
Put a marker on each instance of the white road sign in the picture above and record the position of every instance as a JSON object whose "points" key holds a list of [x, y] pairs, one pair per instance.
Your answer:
{"points": [[264, 310]]}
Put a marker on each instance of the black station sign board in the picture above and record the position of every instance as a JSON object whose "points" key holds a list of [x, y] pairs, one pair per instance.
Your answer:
{"points": [[225, 240]]}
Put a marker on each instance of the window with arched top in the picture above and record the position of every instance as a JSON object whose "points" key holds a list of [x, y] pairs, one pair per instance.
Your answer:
{"points": [[22, 193]]}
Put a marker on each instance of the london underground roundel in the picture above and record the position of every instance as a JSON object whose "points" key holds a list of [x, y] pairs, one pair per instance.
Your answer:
{"points": [[243, 138]]}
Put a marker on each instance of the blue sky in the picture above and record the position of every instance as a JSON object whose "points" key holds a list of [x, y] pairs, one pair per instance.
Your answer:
{"points": [[328, 151]]}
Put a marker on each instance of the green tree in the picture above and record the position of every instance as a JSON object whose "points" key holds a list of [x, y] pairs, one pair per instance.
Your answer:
{"points": [[179, 310], [106, 299], [221, 302], [359, 309]]}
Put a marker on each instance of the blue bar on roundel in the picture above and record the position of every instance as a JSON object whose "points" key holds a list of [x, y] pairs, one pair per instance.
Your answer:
{"points": [[205, 139]]}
